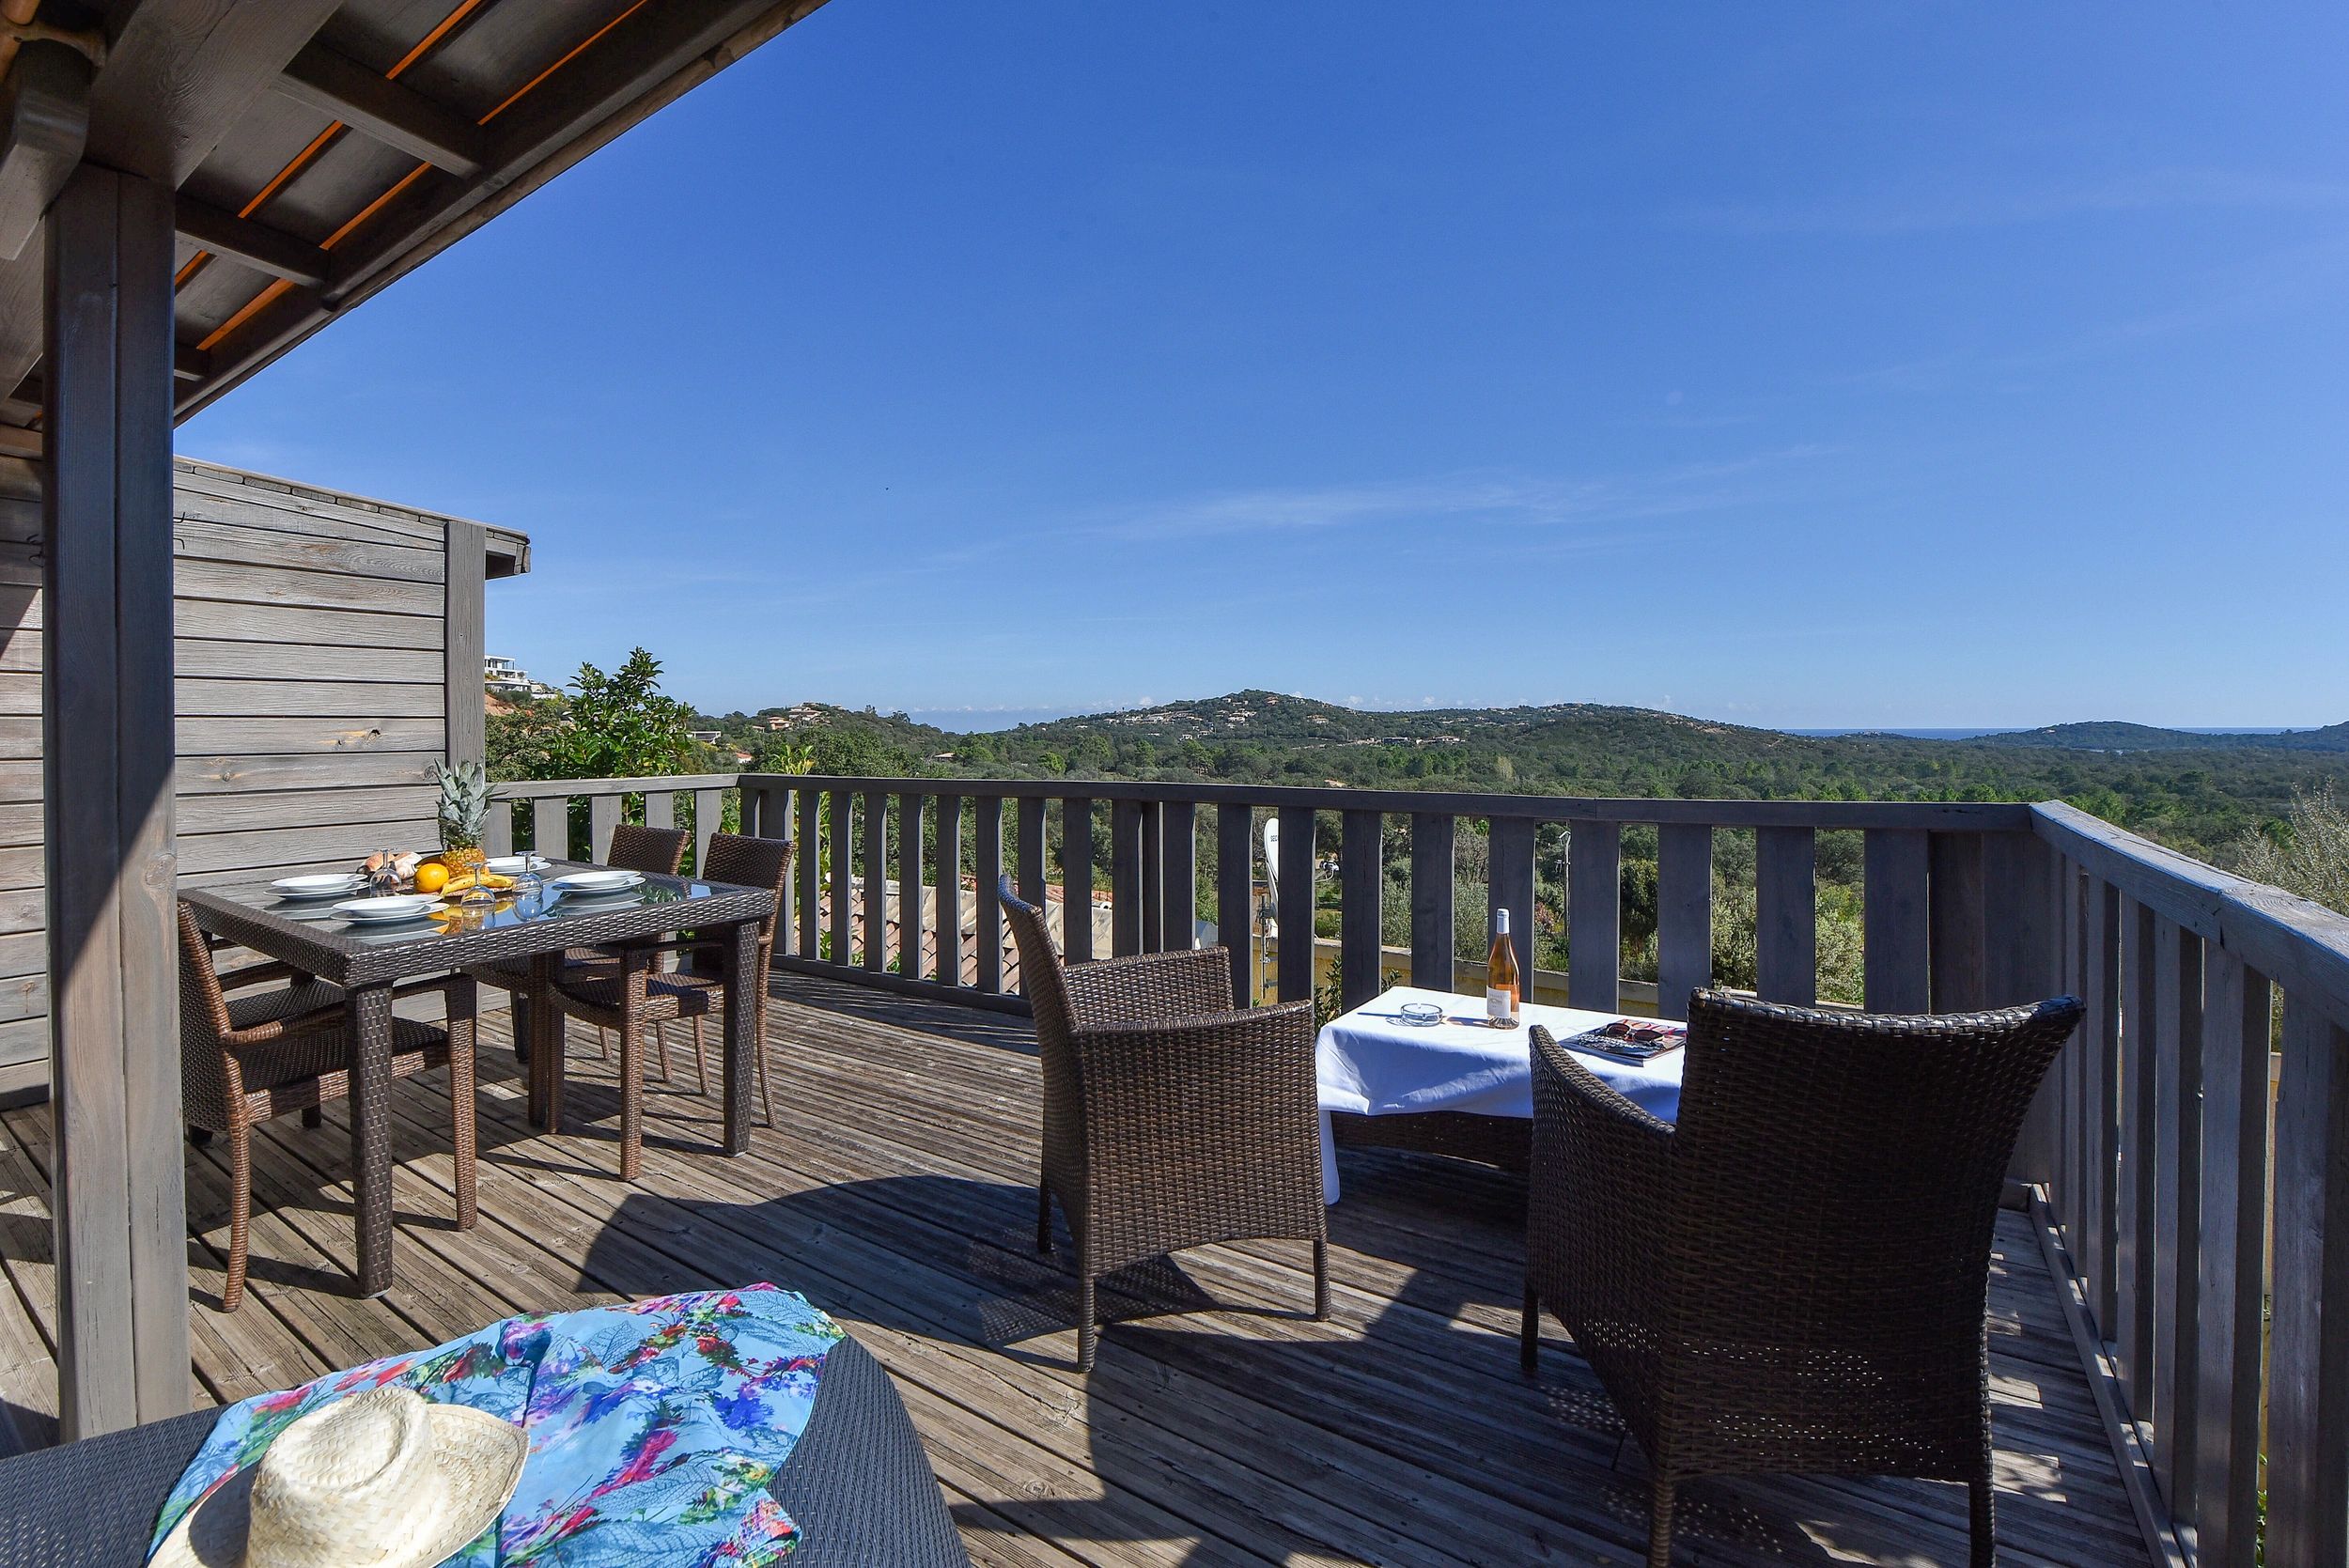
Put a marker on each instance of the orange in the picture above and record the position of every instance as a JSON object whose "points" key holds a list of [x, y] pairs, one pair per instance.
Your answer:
{"points": [[431, 877]]}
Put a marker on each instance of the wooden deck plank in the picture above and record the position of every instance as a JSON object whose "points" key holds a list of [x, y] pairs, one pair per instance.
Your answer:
{"points": [[897, 1192]]}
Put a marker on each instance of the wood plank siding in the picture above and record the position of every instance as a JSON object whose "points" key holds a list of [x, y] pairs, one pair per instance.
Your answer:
{"points": [[313, 686]]}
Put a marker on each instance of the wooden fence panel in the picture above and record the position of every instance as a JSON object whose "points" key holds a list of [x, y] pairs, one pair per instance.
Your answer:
{"points": [[1683, 916], [1128, 928], [909, 886], [1295, 904], [1361, 885], [2230, 1296], [1178, 876], [1510, 887], [1433, 848], [1595, 915], [987, 851], [1076, 880], [949, 812], [2308, 1437], [1787, 915], [1895, 930]]}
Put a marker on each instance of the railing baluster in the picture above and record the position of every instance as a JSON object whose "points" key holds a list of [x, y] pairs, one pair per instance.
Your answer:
{"points": [[876, 846], [1153, 877], [499, 840], [2100, 1036], [1683, 915], [1361, 886], [1786, 914], [1032, 851], [1956, 935], [1510, 886], [1895, 934], [603, 815], [1178, 876], [811, 873], [1236, 896], [1076, 880], [987, 848], [2133, 1330], [1295, 974], [709, 809], [661, 809], [1126, 891], [843, 877], [2072, 1180], [2177, 1204], [1432, 878], [2231, 1301], [775, 821], [551, 827], [950, 888], [2308, 1380], [909, 886], [1594, 916]]}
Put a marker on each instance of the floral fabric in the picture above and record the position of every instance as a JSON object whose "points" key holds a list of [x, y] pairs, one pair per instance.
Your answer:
{"points": [[653, 1426]]}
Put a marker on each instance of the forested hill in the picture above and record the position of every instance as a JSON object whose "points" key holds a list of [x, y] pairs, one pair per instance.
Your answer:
{"points": [[2199, 793]]}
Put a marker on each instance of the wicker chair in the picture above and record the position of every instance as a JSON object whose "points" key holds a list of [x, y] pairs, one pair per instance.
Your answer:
{"points": [[1171, 1119], [245, 1059], [654, 851], [1792, 1277], [626, 990]]}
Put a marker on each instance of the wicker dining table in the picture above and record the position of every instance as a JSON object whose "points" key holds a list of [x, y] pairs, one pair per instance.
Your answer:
{"points": [[367, 962]]}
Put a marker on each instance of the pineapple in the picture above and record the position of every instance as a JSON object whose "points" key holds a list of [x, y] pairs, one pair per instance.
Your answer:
{"points": [[466, 796]]}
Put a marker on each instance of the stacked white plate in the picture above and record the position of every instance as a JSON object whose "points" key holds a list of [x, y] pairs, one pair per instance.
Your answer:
{"points": [[341, 884], [514, 865], [385, 911], [589, 884]]}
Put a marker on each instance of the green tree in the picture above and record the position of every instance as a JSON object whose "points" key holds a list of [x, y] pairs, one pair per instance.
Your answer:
{"points": [[620, 725], [2306, 853]]}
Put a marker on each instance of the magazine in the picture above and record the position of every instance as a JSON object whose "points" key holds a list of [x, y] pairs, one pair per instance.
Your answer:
{"points": [[1633, 1040]]}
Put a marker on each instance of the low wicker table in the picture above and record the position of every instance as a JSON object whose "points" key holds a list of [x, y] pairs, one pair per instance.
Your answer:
{"points": [[858, 1484], [367, 962]]}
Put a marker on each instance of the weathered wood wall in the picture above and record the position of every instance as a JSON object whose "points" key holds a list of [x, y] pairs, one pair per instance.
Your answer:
{"points": [[313, 635]]}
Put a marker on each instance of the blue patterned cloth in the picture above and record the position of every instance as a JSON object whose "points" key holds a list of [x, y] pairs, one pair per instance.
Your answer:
{"points": [[653, 1427]]}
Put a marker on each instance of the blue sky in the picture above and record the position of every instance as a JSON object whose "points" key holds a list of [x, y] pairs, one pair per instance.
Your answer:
{"points": [[1835, 364]]}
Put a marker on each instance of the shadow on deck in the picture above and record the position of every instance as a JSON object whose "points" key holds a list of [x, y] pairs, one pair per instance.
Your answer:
{"points": [[896, 1191]]}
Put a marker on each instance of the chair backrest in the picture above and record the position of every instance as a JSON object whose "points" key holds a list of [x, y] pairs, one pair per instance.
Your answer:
{"points": [[751, 863], [203, 1025], [655, 851], [1842, 1172], [1042, 979]]}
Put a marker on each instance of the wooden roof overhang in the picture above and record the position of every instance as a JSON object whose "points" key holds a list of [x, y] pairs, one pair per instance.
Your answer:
{"points": [[319, 148]]}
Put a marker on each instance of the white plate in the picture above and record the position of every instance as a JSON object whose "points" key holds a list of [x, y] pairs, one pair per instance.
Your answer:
{"points": [[600, 882], [319, 887], [380, 911], [514, 865]]}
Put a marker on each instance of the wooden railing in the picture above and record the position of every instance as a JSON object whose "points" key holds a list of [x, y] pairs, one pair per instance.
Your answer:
{"points": [[2169, 1201], [653, 802]]}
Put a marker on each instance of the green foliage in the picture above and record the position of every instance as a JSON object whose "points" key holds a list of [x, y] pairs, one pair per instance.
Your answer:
{"points": [[2306, 853], [607, 726]]}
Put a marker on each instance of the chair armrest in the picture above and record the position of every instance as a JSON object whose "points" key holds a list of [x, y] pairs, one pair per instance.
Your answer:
{"points": [[1150, 987], [261, 975]]}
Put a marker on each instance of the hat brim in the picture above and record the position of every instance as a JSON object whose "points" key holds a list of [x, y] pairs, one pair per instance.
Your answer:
{"points": [[476, 1456]]}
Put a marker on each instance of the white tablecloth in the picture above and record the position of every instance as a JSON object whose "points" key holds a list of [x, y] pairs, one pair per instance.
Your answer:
{"points": [[1372, 1063]]}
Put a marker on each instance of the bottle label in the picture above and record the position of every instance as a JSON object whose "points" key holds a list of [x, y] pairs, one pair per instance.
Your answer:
{"points": [[1500, 1003]]}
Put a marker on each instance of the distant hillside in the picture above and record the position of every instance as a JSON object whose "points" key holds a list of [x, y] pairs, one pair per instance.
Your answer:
{"points": [[2114, 736], [2200, 793]]}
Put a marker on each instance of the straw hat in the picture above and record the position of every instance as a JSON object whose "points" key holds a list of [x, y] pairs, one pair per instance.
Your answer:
{"points": [[380, 1480]]}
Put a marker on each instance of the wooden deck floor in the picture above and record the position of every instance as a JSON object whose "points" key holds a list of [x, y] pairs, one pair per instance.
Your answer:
{"points": [[897, 1192]]}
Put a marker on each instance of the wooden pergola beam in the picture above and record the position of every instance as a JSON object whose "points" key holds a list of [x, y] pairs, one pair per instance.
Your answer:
{"points": [[274, 252], [396, 115]]}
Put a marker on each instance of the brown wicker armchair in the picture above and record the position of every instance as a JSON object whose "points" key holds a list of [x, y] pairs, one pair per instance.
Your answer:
{"points": [[654, 851], [245, 1059], [626, 990], [1792, 1278], [1171, 1119]]}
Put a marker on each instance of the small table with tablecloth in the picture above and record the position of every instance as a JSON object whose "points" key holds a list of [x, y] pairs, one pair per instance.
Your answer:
{"points": [[1460, 1086]]}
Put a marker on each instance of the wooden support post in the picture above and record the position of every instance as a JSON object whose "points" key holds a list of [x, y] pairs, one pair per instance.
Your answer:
{"points": [[1178, 876], [1683, 915], [464, 605], [117, 1199]]}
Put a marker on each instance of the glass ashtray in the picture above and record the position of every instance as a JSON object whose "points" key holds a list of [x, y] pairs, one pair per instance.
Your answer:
{"points": [[1421, 1015]]}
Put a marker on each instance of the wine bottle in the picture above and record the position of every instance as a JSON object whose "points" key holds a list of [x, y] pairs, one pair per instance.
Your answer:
{"points": [[1500, 974]]}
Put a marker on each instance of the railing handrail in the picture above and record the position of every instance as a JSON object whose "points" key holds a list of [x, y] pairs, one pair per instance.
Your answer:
{"points": [[539, 790], [1941, 815], [2296, 942]]}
